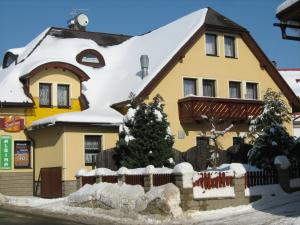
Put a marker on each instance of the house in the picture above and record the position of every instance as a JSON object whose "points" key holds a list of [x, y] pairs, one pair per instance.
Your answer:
{"points": [[288, 14], [66, 93], [292, 77]]}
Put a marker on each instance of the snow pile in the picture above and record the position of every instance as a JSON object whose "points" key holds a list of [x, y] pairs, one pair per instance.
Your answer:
{"points": [[264, 190], [106, 195], [282, 161], [239, 170], [163, 199], [183, 168], [222, 192]]}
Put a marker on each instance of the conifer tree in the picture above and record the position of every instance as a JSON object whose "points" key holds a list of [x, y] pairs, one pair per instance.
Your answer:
{"points": [[145, 137], [268, 133]]}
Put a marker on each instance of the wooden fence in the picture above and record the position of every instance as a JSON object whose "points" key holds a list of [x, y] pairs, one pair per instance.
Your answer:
{"points": [[256, 178], [206, 181], [294, 170], [161, 179], [135, 180], [110, 179], [88, 180]]}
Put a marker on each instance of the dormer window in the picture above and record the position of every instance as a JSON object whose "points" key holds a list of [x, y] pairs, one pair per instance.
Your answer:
{"points": [[90, 57], [8, 59]]}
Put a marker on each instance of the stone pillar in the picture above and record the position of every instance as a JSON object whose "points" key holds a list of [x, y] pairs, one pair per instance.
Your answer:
{"points": [[78, 182], [284, 179], [98, 179], [148, 182], [121, 178]]}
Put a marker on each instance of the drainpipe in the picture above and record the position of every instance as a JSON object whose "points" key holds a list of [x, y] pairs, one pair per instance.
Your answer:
{"points": [[34, 192]]}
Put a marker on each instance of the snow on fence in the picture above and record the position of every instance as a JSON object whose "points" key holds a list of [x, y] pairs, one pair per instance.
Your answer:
{"points": [[258, 178], [212, 184]]}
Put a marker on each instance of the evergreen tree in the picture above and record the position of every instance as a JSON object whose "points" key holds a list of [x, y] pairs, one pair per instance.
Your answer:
{"points": [[145, 137], [267, 132]]}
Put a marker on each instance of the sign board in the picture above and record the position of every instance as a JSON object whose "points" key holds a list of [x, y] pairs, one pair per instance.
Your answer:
{"points": [[22, 154], [12, 123], [5, 152]]}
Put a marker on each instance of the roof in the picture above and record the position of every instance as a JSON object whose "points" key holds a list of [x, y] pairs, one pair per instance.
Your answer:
{"points": [[292, 77], [289, 10], [121, 75]]}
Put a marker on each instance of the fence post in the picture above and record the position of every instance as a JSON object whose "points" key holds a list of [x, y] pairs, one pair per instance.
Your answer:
{"points": [[121, 175], [98, 179], [78, 182], [284, 178]]}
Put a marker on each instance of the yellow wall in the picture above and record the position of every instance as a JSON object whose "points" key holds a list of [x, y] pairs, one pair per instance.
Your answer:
{"points": [[55, 77], [64, 147], [196, 64]]}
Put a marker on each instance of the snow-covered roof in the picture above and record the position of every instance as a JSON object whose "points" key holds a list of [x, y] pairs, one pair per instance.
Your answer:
{"points": [[109, 84], [286, 4], [292, 77]]}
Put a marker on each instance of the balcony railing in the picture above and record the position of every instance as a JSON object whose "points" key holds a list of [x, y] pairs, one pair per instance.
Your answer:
{"points": [[195, 109]]}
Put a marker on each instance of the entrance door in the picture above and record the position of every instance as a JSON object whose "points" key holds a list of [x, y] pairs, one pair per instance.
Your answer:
{"points": [[51, 184]]}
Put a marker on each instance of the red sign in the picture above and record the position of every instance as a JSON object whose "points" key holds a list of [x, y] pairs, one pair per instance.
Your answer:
{"points": [[12, 123]]}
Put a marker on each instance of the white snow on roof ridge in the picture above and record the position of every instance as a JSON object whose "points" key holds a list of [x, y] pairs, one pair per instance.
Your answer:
{"points": [[113, 82], [285, 5], [291, 77]]}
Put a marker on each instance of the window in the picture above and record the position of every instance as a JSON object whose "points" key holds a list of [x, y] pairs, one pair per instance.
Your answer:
{"points": [[190, 86], [202, 142], [251, 91], [234, 89], [90, 57], [92, 146], [45, 94], [209, 88], [229, 46], [237, 140], [211, 44], [63, 95], [8, 59]]}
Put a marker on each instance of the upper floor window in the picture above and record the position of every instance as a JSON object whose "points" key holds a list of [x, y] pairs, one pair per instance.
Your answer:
{"points": [[251, 90], [63, 95], [92, 146], [234, 89], [45, 94], [209, 88], [90, 57], [190, 86], [229, 43], [8, 59], [211, 44]]}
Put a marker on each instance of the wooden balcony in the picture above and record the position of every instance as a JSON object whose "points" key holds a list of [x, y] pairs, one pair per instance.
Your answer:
{"points": [[195, 109]]}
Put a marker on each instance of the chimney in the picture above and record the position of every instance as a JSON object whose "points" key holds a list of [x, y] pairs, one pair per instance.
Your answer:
{"points": [[144, 65]]}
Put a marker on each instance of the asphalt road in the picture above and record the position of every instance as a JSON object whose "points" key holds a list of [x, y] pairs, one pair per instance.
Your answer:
{"points": [[15, 218]]}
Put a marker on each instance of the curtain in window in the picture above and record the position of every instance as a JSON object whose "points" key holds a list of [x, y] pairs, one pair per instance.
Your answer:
{"points": [[44, 94], [251, 91], [189, 87], [229, 47], [62, 95], [234, 90], [211, 45], [209, 88]]}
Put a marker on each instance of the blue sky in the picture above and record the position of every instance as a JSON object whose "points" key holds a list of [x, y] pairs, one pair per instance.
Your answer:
{"points": [[22, 20]]}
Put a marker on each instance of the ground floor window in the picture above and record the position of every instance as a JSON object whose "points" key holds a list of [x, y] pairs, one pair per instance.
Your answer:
{"points": [[92, 146], [22, 154], [237, 140], [202, 142]]}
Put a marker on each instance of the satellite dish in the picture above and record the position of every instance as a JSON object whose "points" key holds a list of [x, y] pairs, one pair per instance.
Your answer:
{"points": [[82, 20]]}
